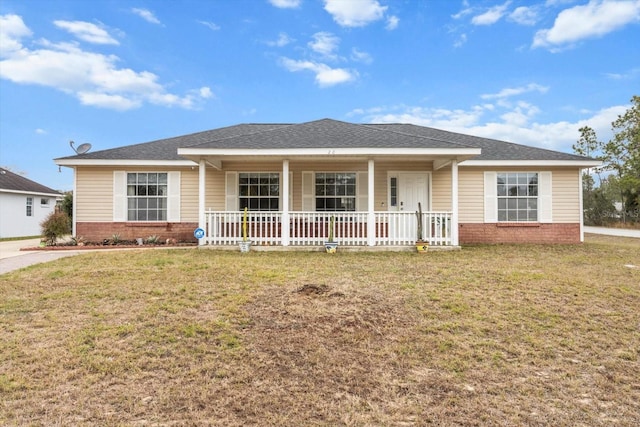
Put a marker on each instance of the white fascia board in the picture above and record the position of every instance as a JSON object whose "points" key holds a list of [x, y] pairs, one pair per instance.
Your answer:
{"points": [[31, 193], [523, 163], [105, 162], [301, 152]]}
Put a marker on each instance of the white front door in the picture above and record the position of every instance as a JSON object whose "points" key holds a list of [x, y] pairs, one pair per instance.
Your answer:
{"points": [[413, 188]]}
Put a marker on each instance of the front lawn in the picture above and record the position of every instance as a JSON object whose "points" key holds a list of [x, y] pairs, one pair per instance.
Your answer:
{"points": [[490, 335]]}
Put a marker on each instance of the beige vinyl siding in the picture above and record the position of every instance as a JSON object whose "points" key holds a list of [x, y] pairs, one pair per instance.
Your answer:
{"points": [[441, 189], [566, 196], [470, 195], [94, 192], [189, 195], [564, 184]]}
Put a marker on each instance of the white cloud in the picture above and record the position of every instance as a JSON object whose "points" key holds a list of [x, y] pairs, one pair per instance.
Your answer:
{"points": [[211, 25], [286, 4], [12, 30], [514, 124], [147, 15], [325, 75], [41, 131], [355, 13], [492, 15], [524, 15], [87, 32], [464, 12], [392, 23], [631, 74], [325, 44], [283, 40], [461, 40], [93, 78], [595, 19], [359, 56], [509, 92]]}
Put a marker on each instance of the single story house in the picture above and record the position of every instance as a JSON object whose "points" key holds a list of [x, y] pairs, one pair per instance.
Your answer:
{"points": [[292, 178], [24, 204]]}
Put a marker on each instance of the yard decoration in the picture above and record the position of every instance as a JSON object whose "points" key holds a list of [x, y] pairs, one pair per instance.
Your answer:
{"points": [[331, 246], [245, 244], [421, 245]]}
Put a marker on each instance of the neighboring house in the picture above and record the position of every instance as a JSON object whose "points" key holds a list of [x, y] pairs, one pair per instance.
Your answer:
{"points": [[23, 205], [294, 177]]}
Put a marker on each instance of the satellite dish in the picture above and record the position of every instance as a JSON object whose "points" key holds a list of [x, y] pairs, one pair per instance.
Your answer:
{"points": [[82, 148]]}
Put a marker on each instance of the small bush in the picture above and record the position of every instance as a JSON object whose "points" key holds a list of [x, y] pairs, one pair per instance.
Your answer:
{"points": [[153, 240], [57, 224]]}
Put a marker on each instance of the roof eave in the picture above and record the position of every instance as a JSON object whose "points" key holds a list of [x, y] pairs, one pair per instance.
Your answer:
{"points": [[122, 162], [523, 163]]}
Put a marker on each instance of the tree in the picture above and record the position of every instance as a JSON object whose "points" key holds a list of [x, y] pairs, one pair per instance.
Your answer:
{"points": [[620, 156]]}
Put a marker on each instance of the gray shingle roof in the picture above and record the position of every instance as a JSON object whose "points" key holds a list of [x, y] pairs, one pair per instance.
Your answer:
{"points": [[492, 149], [14, 182], [326, 133]]}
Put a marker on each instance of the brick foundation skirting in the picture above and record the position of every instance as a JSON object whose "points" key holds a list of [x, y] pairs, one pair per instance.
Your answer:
{"points": [[98, 231], [519, 233]]}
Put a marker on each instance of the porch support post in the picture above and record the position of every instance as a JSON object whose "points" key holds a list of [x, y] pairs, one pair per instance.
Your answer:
{"points": [[202, 221], [454, 202], [371, 216], [284, 232]]}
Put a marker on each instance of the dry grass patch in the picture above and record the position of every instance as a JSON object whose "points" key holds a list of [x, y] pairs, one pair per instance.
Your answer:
{"points": [[509, 335]]}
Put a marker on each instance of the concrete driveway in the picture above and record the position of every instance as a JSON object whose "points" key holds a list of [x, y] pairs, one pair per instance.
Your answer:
{"points": [[621, 232], [12, 258]]}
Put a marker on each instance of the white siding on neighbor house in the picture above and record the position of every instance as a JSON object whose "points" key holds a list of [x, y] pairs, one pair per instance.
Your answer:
{"points": [[564, 195], [14, 221]]}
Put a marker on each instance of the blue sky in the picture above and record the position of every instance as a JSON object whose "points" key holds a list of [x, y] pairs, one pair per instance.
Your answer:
{"points": [[114, 73]]}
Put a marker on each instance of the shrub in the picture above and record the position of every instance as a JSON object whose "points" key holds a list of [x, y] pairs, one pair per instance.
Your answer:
{"points": [[57, 224]]}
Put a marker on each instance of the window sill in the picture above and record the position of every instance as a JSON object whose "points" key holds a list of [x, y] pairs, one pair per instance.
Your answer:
{"points": [[518, 224], [147, 224]]}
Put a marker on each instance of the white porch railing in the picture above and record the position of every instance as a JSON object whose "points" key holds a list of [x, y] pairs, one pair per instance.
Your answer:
{"points": [[312, 228]]}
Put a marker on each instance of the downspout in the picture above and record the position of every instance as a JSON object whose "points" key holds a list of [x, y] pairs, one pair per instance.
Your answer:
{"points": [[581, 205]]}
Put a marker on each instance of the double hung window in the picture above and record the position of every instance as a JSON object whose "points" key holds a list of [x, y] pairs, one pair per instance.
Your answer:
{"points": [[517, 197], [147, 196], [259, 191], [335, 191], [29, 206]]}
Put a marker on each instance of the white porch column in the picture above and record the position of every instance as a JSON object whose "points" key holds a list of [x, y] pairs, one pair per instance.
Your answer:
{"points": [[284, 232], [202, 221], [371, 205], [454, 202]]}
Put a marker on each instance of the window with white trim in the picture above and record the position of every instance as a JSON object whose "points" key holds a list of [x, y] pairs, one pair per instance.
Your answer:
{"points": [[517, 194], [29, 206], [259, 191], [335, 191], [147, 196], [44, 202]]}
